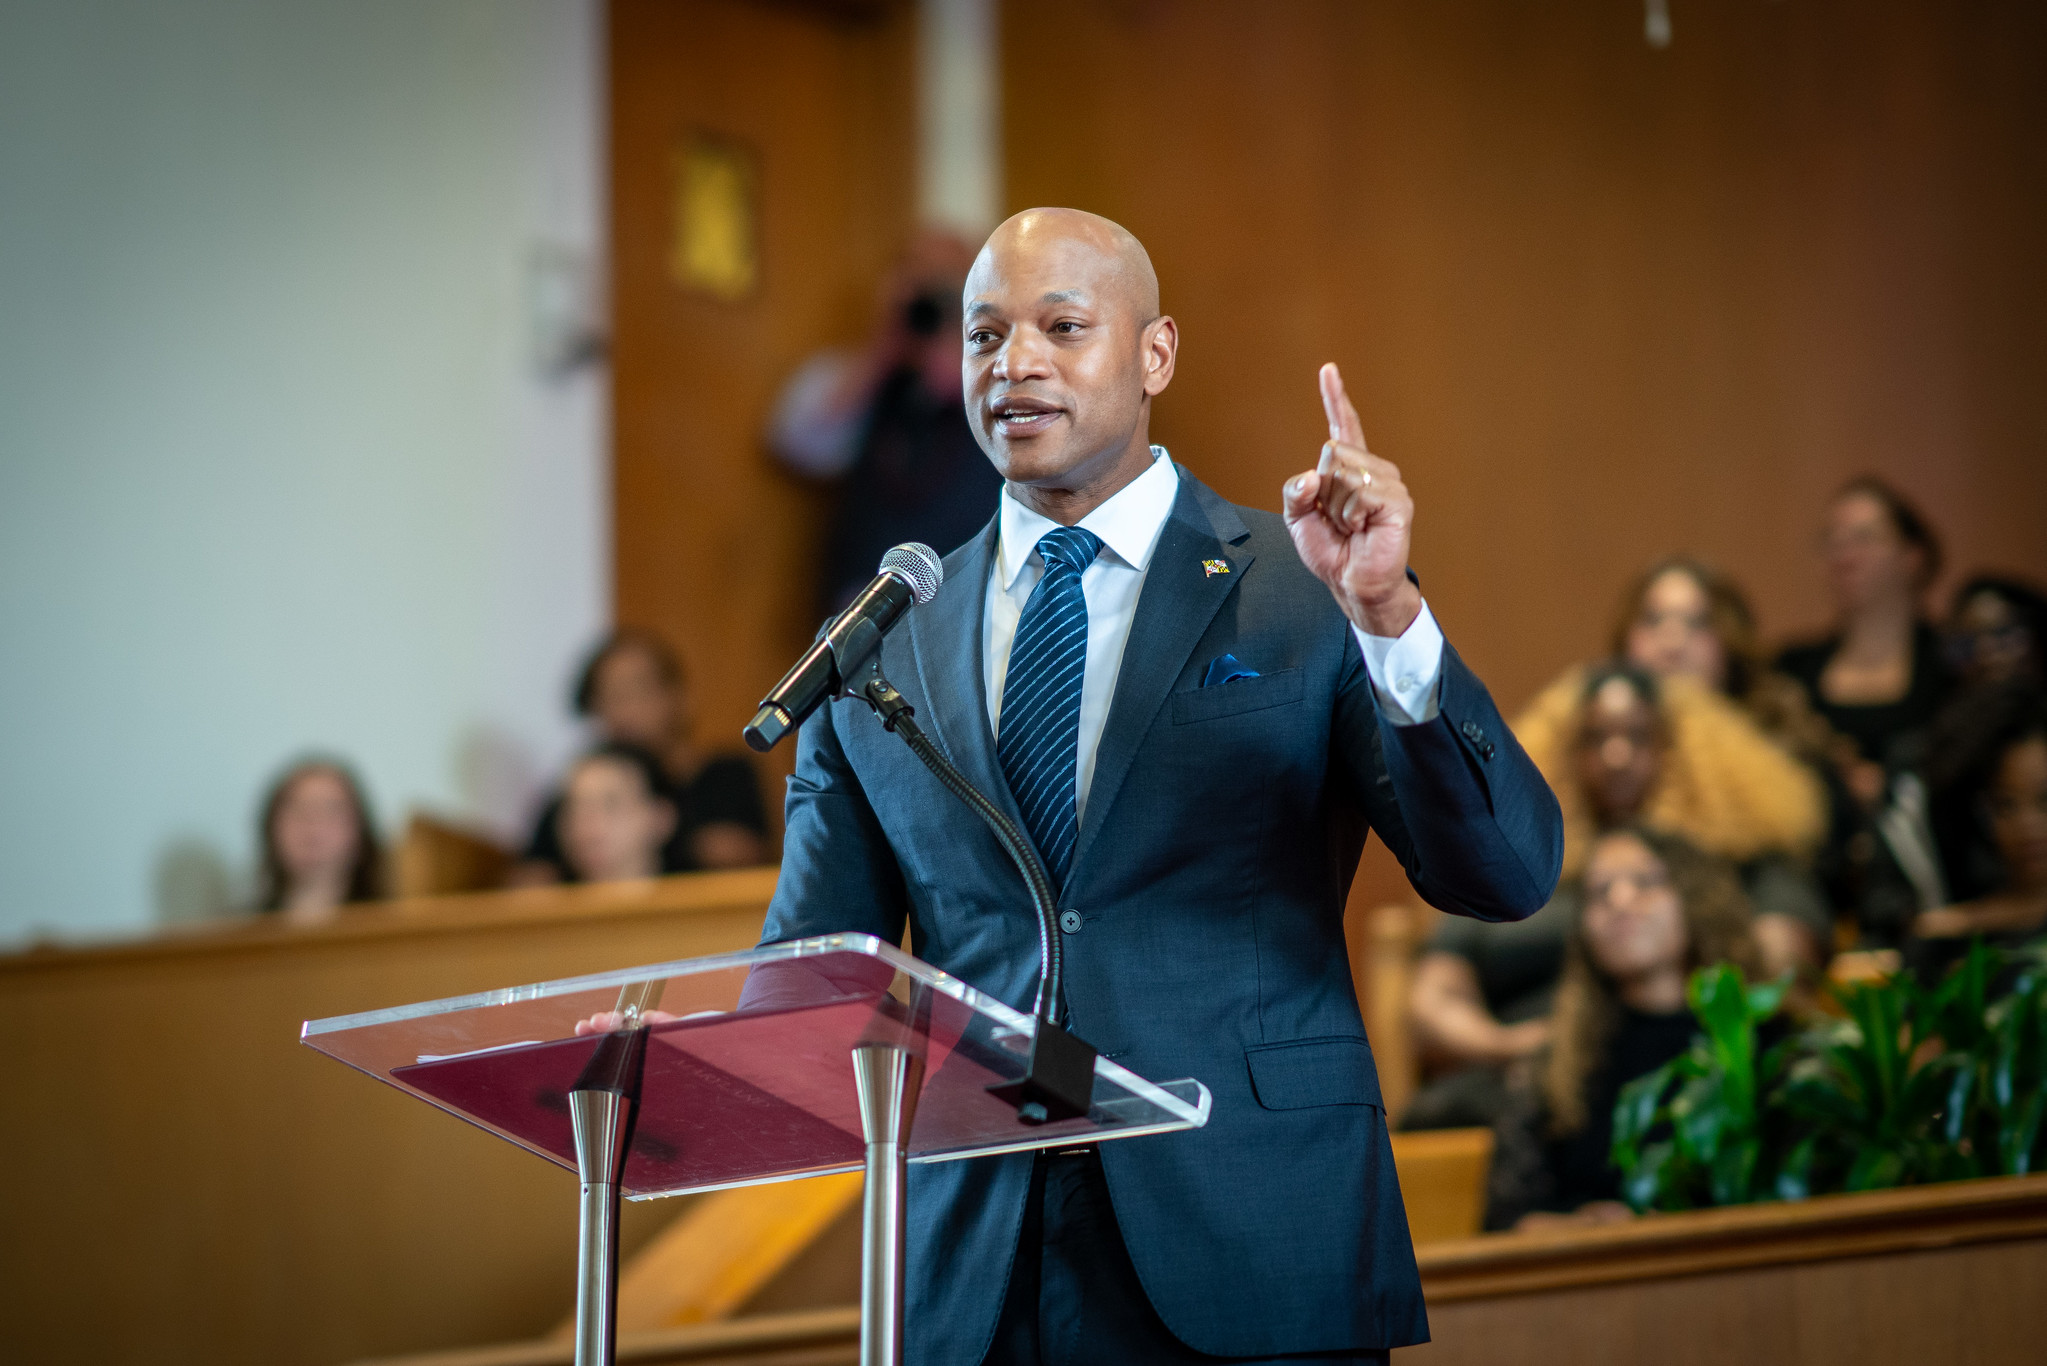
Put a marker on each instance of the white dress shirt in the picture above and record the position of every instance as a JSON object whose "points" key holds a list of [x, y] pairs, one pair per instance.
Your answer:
{"points": [[1404, 669]]}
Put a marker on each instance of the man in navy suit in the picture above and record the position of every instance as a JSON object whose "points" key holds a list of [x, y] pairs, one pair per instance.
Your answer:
{"points": [[1197, 711]]}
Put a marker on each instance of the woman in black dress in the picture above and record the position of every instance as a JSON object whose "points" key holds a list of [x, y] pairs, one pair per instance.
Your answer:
{"points": [[1878, 680], [1879, 676]]}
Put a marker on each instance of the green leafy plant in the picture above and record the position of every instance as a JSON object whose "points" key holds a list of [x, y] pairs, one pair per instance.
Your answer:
{"points": [[1870, 1100], [1914, 1084], [1692, 1132], [1994, 1111]]}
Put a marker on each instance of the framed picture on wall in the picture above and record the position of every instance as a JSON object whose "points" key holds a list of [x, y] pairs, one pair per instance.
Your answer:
{"points": [[715, 249]]}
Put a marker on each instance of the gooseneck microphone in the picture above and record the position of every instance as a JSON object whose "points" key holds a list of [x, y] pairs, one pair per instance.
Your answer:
{"points": [[910, 573], [1059, 1071]]}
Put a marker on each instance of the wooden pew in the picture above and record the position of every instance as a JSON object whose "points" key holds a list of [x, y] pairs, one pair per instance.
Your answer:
{"points": [[436, 857], [1389, 947], [1443, 1181], [185, 1183]]}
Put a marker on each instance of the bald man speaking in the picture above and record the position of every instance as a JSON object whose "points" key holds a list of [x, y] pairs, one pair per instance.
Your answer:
{"points": [[1196, 711]]}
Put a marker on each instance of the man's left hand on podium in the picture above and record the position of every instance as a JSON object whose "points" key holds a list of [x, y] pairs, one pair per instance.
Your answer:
{"points": [[606, 1021]]}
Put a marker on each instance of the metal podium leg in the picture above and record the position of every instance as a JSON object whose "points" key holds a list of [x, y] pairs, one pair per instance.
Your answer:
{"points": [[888, 1077], [600, 1121]]}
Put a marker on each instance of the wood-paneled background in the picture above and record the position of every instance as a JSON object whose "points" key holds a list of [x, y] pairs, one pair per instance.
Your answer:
{"points": [[1601, 302], [714, 541]]}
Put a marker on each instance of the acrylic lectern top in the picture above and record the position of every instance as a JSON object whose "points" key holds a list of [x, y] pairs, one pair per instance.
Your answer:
{"points": [[752, 1080]]}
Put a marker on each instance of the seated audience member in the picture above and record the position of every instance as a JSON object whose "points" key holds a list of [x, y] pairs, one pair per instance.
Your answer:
{"points": [[1656, 909], [1620, 750], [616, 817], [1685, 619], [633, 689], [1997, 633], [319, 844], [1997, 643], [1479, 1003], [2009, 785], [885, 425], [1878, 680], [1879, 676]]}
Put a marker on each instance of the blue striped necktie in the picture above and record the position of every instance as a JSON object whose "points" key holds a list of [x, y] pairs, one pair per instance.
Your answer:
{"points": [[1039, 741]]}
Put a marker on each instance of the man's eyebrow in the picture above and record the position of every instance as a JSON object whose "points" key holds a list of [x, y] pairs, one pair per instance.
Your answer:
{"points": [[1057, 296]]}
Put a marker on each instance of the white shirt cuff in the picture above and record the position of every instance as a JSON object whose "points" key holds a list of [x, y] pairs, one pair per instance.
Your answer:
{"points": [[1406, 670]]}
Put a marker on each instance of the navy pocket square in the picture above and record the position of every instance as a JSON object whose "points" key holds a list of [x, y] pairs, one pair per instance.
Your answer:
{"points": [[1225, 669]]}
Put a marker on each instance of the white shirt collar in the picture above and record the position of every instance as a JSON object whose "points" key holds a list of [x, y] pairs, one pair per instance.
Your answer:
{"points": [[1129, 523]]}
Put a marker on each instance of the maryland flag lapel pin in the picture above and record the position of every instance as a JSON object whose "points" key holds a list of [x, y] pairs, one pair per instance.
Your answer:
{"points": [[1211, 568]]}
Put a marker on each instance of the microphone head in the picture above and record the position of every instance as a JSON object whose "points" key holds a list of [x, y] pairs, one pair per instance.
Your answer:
{"points": [[916, 564]]}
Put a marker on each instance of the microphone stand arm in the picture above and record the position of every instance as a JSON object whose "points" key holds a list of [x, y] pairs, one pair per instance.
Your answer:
{"points": [[1059, 1081]]}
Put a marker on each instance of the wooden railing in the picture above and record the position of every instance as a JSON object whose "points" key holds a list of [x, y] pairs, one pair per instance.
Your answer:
{"points": [[184, 1182], [1934, 1276], [1920, 1277]]}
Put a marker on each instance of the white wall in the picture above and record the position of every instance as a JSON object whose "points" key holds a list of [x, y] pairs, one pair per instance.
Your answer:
{"points": [[959, 115], [278, 466]]}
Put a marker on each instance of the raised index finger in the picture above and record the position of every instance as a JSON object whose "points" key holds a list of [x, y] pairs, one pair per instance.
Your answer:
{"points": [[1336, 405]]}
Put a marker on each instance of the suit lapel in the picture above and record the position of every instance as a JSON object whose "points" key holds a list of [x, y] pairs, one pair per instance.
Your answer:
{"points": [[945, 638], [1180, 598]]}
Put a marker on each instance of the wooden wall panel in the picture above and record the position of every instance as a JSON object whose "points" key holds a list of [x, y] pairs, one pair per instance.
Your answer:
{"points": [[1600, 302], [714, 544]]}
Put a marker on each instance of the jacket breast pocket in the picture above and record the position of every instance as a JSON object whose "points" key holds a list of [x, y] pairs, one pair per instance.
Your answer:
{"points": [[1246, 694], [1308, 1072]]}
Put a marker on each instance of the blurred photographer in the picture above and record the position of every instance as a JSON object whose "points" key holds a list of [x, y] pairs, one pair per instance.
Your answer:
{"points": [[888, 426]]}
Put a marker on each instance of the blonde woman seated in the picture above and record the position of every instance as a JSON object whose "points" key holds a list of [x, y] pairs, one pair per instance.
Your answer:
{"points": [[1684, 618], [1620, 749], [1656, 909]]}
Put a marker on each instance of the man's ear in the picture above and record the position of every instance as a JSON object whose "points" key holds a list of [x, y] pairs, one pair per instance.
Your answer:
{"points": [[665, 818], [1161, 349]]}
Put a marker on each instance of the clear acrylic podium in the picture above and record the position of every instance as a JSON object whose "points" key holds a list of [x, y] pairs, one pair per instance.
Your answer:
{"points": [[821, 1055]]}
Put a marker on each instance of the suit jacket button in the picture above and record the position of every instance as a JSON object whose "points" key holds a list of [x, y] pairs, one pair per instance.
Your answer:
{"points": [[1475, 733], [1069, 921]]}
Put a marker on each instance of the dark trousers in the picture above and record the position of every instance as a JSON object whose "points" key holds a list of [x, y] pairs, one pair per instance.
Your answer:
{"points": [[1074, 1298]]}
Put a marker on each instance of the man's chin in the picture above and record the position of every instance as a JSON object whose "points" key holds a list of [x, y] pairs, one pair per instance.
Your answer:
{"points": [[1032, 459]]}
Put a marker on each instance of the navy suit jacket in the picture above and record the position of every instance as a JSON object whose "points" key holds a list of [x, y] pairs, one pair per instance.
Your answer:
{"points": [[1221, 834]]}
